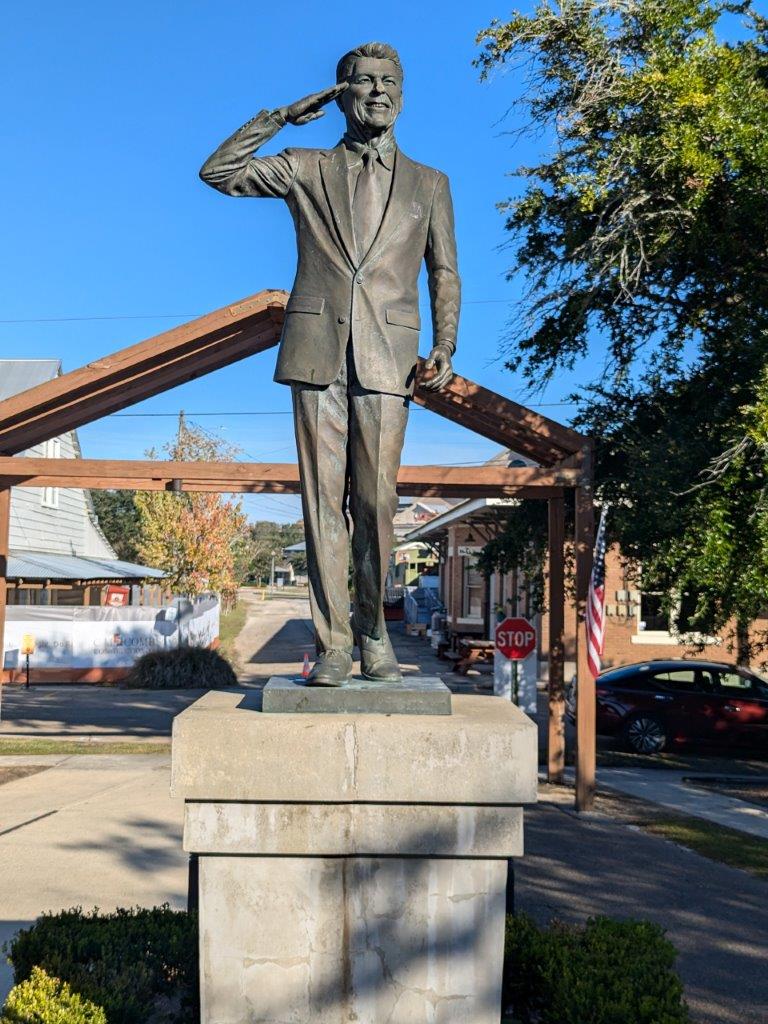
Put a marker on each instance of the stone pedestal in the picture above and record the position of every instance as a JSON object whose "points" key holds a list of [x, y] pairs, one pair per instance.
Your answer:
{"points": [[353, 868]]}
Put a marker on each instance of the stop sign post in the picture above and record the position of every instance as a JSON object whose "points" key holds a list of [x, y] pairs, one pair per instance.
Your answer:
{"points": [[515, 638]]}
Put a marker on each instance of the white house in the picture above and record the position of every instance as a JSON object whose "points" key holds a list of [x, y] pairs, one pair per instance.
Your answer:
{"points": [[58, 553]]}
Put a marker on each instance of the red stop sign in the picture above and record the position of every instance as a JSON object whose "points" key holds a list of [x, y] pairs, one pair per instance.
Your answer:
{"points": [[515, 638]]}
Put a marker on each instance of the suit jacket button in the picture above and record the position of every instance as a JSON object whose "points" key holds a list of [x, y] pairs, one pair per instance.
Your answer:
{"points": [[359, 279], [342, 319]]}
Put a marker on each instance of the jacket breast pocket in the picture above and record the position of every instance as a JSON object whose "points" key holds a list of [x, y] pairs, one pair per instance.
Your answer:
{"points": [[305, 304], [404, 318]]}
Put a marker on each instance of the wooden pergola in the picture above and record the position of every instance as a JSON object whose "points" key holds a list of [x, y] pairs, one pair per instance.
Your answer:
{"points": [[253, 325]]}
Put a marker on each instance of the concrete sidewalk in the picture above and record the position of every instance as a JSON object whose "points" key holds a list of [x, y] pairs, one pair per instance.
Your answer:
{"points": [[668, 788], [88, 831]]}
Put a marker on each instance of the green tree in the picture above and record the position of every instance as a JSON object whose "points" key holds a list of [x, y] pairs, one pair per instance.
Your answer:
{"points": [[119, 520], [267, 537], [197, 537], [643, 239]]}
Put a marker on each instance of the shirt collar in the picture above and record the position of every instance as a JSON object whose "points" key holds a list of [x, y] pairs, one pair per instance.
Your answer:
{"points": [[384, 145]]}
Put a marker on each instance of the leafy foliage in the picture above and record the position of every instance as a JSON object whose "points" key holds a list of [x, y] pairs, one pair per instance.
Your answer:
{"points": [[521, 547], [644, 235], [196, 537], [140, 965], [119, 520], [607, 972], [267, 537], [42, 999], [181, 668]]}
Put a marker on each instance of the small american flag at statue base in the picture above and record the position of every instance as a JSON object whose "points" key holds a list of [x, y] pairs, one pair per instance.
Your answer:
{"points": [[595, 617]]}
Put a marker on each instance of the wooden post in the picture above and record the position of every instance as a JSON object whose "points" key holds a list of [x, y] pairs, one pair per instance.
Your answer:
{"points": [[585, 684], [556, 689], [5, 530]]}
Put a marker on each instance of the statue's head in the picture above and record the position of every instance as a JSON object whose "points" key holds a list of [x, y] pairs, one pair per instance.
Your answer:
{"points": [[374, 97]]}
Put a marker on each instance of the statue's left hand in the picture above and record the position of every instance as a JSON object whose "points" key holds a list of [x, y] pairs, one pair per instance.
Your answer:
{"points": [[439, 360]]}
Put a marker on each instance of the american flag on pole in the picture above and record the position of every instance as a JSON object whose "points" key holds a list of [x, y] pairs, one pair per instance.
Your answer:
{"points": [[595, 618]]}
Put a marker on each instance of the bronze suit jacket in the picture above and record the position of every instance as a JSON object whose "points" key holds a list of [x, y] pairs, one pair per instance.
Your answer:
{"points": [[337, 298]]}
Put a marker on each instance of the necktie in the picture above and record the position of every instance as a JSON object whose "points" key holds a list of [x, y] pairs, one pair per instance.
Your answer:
{"points": [[367, 206]]}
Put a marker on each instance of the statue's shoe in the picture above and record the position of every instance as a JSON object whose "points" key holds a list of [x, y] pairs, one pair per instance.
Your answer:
{"points": [[378, 661], [332, 668]]}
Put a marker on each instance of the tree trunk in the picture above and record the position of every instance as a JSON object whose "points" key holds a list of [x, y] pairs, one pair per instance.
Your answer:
{"points": [[743, 643]]}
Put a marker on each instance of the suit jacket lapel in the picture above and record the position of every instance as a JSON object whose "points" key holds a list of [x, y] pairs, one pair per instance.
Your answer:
{"points": [[333, 169], [405, 184]]}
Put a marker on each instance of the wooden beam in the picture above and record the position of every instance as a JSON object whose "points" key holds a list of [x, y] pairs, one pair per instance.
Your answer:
{"points": [[140, 371], [500, 419], [265, 478], [556, 688], [585, 683], [5, 530]]}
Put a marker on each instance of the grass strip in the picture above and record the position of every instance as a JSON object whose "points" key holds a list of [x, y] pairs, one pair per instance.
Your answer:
{"points": [[230, 626], [716, 842], [10, 747]]}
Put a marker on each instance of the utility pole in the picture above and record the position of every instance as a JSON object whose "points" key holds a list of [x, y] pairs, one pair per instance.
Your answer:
{"points": [[272, 574]]}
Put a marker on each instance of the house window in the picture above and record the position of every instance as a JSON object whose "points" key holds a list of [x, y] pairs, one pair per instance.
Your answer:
{"points": [[472, 591], [686, 620], [49, 496], [657, 622], [653, 617]]}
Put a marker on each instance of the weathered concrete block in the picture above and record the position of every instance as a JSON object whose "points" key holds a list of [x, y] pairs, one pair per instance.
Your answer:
{"points": [[352, 867], [333, 940], [347, 830], [485, 752]]}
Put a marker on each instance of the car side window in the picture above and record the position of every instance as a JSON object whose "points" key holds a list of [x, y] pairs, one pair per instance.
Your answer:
{"points": [[732, 682], [683, 680]]}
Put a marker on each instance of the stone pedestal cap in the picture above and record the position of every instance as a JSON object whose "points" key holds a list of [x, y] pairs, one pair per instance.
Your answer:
{"points": [[225, 750]]}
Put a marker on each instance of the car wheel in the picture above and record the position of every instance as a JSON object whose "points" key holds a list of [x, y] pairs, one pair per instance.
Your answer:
{"points": [[645, 735]]}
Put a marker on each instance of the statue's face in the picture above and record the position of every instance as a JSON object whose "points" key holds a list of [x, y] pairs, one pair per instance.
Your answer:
{"points": [[375, 95]]}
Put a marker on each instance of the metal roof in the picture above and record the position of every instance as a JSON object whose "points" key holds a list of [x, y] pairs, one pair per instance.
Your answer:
{"points": [[470, 509], [42, 565], [20, 374]]}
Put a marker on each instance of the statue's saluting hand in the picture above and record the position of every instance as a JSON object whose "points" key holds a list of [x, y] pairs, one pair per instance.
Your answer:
{"points": [[310, 108]]}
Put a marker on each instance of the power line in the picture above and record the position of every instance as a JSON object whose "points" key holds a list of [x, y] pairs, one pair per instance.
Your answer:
{"points": [[174, 415], [174, 316]]}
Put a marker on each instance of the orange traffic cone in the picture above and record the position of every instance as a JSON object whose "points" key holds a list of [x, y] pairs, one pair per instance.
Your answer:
{"points": [[305, 670]]}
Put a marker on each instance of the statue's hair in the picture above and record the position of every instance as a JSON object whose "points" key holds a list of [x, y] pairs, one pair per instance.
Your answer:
{"points": [[379, 51]]}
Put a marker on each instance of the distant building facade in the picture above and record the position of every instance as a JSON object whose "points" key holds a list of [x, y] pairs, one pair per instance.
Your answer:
{"points": [[58, 553], [637, 626]]}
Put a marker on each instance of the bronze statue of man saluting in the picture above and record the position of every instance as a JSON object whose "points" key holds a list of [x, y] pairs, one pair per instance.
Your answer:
{"points": [[365, 218]]}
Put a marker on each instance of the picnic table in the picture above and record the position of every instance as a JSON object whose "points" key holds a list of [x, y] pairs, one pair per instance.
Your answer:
{"points": [[471, 651]]}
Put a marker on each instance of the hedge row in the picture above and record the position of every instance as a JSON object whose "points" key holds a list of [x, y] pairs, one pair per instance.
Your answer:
{"points": [[606, 972], [140, 967], [181, 668]]}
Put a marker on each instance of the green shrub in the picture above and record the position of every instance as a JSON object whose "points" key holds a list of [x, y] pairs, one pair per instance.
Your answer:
{"points": [[182, 668], [607, 972], [139, 964], [42, 999]]}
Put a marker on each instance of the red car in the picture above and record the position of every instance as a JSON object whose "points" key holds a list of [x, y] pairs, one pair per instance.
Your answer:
{"points": [[654, 704]]}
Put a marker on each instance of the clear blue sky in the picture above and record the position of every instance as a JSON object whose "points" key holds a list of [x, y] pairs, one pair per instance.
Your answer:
{"points": [[110, 110]]}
